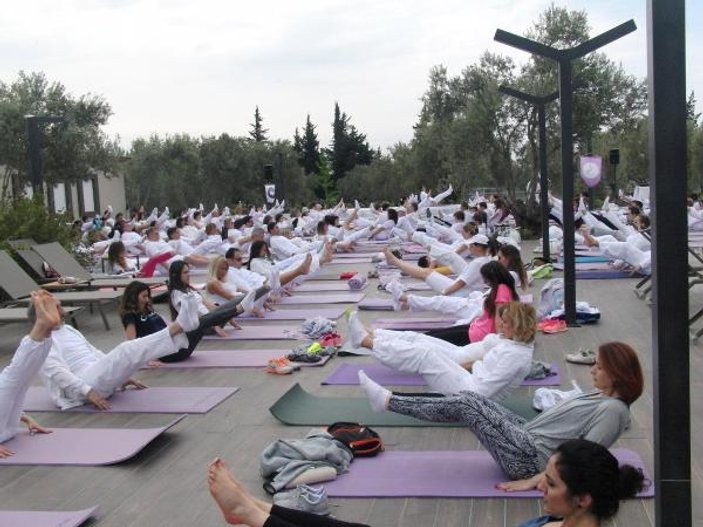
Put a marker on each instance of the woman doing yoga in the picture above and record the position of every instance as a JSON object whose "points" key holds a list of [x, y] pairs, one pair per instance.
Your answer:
{"points": [[491, 368], [521, 447]]}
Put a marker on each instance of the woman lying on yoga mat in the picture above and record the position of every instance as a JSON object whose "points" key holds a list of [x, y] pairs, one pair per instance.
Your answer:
{"points": [[520, 447], [479, 309], [16, 378], [491, 368], [583, 485]]}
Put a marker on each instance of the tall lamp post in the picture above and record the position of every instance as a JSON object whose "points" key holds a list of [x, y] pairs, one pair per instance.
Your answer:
{"points": [[564, 58], [540, 103], [34, 140]]}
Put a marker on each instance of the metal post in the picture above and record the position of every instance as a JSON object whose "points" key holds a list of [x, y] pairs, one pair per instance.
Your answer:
{"points": [[567, 171], [666, 51], [564, 58], [543, 181]]}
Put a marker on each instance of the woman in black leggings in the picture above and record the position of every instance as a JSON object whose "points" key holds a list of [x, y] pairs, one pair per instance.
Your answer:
{"points": [[239, 507]]}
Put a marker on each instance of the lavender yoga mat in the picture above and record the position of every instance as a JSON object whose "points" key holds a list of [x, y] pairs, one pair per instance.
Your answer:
{"points": [[81, 446], [234, 359], [332, 313], [261, 332], [412, 323], [587, 266], [348, 373], [323, 286], [337, 298], [350, 261], [605, 275], [376, 304], [181, 400], [45, 518], [443, 474]]}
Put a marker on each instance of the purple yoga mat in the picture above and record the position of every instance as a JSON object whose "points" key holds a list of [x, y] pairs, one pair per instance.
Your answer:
{"points": [[348, 373], [332, 313], [376, 304], [350, 261], [412, 323], [261, 332], [443, 474], [336, 298], [587, 266], [81, 446], [323, 286], [157, 400], [45, 518], [605, 275], [234, 359]]}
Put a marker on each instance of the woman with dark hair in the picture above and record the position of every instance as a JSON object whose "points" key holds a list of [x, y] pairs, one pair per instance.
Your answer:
{"points": [[583, 485], [522, 448], [478, 309], [118, 261], [385, 230], [281, 273], [491, 368], [509, 256], [211, 317]]}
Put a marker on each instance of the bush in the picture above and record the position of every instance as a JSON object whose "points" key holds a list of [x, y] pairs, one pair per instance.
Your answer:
{"points": [[29, 218]]}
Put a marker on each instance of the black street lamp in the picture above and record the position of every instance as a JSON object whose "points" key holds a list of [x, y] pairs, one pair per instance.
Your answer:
{"points": [[34, 140], [540, 103], [564, 58]]}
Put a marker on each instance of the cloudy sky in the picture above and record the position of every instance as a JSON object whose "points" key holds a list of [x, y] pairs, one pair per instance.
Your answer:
{"points": [[200, 67]]}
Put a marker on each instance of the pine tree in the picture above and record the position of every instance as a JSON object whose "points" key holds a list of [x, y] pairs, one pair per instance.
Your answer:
{"points": [[258, 132], [298, 144], [349, 146], [310, 154]]}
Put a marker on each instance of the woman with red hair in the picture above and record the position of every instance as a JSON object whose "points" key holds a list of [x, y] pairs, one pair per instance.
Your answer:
{"points": [[522, 448]]}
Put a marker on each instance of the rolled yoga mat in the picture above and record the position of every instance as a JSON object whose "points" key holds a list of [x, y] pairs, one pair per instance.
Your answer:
{"points": [[300, 408], [157, 400], [438, 474], [235, 359], [261, 332], [351, 297], [81, 446], [45, 518], [587, 266], [348, 374], [332, 313]]}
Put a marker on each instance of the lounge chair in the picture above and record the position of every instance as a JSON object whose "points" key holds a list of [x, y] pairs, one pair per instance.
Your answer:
{"points": [[18, 286]]}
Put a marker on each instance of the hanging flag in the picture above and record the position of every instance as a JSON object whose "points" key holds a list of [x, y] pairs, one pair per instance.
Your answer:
{"points": [[270, 191], [591, 169]]}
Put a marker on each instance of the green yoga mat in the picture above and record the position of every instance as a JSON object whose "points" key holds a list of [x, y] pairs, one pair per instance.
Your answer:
{"points": [[300, 408]]}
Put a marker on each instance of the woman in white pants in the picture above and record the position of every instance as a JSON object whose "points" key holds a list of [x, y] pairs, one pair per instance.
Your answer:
{"points": [[15, 379], [492, 368]]}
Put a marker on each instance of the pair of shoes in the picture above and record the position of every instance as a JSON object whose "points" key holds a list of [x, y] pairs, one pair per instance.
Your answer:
{"points": [[281, 366], [308, 358], [552, 325], [304, 498], [582, 356]]}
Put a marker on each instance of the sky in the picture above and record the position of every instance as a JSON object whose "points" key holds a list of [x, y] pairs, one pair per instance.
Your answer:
{"points": [[201, 67]]}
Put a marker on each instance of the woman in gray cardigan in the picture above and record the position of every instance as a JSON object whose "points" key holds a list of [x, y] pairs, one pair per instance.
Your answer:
{"points": [[522, 447]]}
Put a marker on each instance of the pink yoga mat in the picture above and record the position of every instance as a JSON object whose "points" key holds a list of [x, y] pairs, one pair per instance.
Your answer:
{"points": [[160, 400], [444, 474], [348, 373], [336, 298], [81, 446], [332, 313], [235, 359], [45, 518], [350, 261], [261, 332]]}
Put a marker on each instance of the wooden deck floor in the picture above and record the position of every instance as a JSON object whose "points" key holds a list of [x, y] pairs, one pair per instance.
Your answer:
{"points": [[165, 484]]}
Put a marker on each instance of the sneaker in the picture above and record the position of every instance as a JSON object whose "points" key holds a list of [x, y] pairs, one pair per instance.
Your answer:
{"points": [[304, 357], [582, 356], [552, 325], [281, 366], [304, 498]]}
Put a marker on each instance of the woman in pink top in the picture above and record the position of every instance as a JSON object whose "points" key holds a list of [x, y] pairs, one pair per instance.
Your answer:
{"points": [[502, 291]]}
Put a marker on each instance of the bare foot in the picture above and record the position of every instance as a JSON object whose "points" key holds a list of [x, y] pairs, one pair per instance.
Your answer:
{"points": [[391, 259], [234, 500], [305, 266]]}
